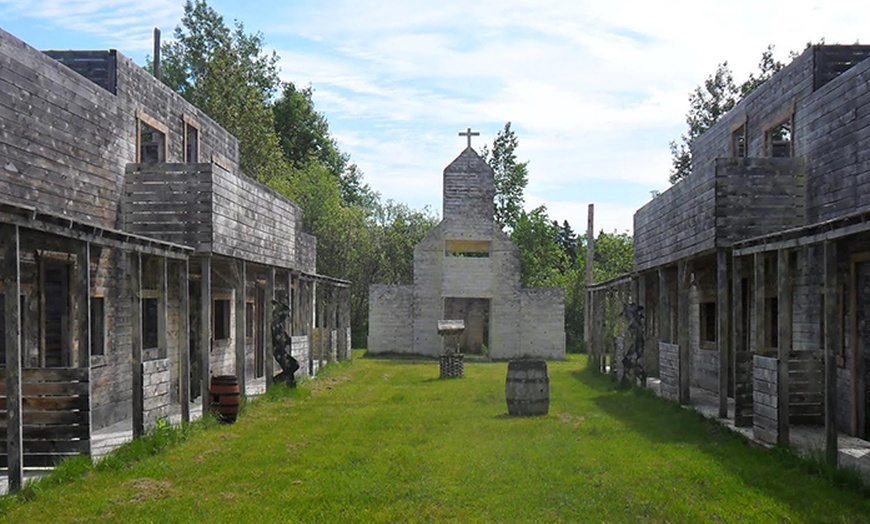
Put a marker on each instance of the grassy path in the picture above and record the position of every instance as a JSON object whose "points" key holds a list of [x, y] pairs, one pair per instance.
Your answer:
{"points": [[384, 440]]}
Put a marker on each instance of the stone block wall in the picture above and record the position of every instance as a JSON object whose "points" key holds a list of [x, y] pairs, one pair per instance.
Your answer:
{"points": [[390, 320], [542, 324]]}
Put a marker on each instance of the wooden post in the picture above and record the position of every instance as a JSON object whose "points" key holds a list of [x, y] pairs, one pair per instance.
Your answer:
{"points": [[163, 308], [741, 357], [683, 281], [311, 303], [240, 334], [664, 308], [758, 326], [205, 326], [9, 240], [184, 340], [80, 294], [138, 404], [590, 300], [268, 359], [641, 300], [832, 349], [723, 333], [784, 343]]}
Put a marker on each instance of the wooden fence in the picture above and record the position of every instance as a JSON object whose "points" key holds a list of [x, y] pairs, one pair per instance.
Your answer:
{"points": [[55, 413]]}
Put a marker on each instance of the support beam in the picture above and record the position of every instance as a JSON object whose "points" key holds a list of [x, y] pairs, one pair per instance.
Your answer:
{"points": [[240, 334], [723, 326], [268, 351], [10, 251], [163, 307], [205, 325], [664, 308], [758, 326], [684, 283], [138, 404], [741, 356], [832, 349], [184, 340], [80, 295], [784, 292], [589, 316]]}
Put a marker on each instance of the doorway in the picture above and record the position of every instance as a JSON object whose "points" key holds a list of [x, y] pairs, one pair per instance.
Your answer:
{"points": [[475, 313]]}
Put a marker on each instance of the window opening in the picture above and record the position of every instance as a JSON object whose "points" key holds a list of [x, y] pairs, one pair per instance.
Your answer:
{"points": [[98, 326], [152, 144], [221, 319], [779, 139], [191, 143], [738, 142], [467, 248], [150, 309]]}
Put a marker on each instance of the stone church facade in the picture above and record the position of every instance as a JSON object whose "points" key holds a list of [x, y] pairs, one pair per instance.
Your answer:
{"points": [[467, 268]]}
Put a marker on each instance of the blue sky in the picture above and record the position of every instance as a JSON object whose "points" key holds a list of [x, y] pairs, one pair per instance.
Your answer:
{"points": [[594, 90]]}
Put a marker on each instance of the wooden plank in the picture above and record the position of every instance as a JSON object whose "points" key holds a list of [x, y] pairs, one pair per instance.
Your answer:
{"points": [[31, 418], [740, 351], [9, 247], [785, 293], [683, 277], [184, 340], [269, 360], [723, 312], [832, 350], [240, 335], [138, 401], [205, 327]]}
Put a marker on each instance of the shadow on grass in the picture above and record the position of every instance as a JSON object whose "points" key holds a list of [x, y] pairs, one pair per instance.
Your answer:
{"points": [[773, 472]]}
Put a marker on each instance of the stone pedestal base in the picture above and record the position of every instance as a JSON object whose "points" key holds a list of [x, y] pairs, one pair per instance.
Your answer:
{"points": [[452, 366]]}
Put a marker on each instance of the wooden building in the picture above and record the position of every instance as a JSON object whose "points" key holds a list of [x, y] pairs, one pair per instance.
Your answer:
{"points": [[142, 261], [754, 272]]}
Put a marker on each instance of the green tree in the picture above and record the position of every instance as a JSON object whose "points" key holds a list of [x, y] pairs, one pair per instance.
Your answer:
{"points": [[511, 177], [709, 102], [227, 74], [303, 134], [541, 256]]}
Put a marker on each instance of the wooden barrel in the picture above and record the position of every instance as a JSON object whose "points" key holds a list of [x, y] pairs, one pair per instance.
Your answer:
{"points": [[527, 388], [225, 397]]}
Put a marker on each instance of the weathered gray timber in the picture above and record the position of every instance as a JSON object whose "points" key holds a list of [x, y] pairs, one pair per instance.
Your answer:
{"points": [[101, 264], [765, 422], [669, 355], [206, 206], [58, 122]]}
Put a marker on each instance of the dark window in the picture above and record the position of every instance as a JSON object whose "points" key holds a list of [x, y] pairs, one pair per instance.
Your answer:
{"points": [[708, 321], [221, 319], [55, 280], [191, 144], [771, 322], [249, 321], [152, 144], [98, 326], [150, 308], [738, 142], [779, 139]]}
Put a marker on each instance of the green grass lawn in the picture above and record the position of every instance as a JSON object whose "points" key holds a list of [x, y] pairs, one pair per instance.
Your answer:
{"points": [[385, 440]]}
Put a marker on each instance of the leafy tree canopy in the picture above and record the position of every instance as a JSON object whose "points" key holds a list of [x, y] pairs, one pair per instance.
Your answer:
{"points": [[226, 73], [710, 101], [511, 177]]}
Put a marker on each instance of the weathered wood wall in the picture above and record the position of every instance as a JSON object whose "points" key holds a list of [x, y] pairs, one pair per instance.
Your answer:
{"points": [[56, 417], [765, 400], [67, 140]]}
